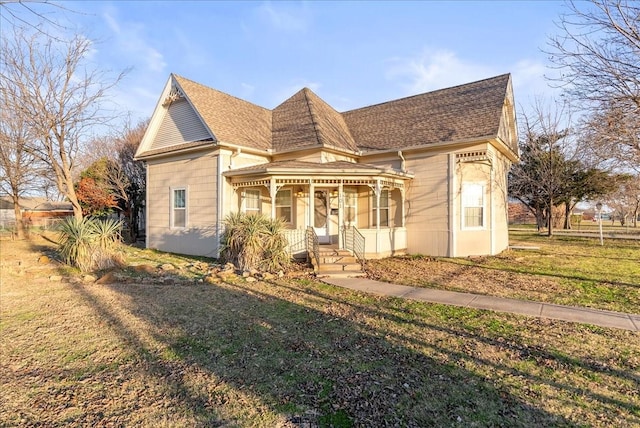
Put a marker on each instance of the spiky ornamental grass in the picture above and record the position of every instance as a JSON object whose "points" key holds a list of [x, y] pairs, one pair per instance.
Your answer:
{"points": [[90, 243], [254, 241]]}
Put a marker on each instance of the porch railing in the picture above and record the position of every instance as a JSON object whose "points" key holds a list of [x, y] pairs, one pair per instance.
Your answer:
{"points": [[354, 241], [313, 247], [297, 239]]}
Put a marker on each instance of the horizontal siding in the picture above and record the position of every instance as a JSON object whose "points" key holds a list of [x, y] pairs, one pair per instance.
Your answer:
{"points": [[180, 125], [198, 173]]}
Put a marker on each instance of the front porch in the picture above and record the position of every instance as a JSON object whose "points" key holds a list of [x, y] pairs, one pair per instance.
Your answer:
{"points": [[367, 199]]}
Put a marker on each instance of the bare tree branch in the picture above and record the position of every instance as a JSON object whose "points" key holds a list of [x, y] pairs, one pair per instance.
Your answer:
{"points": [[61, 99]]}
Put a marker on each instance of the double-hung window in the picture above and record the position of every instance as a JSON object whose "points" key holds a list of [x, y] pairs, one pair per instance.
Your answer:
{"points": [[383, 208], [283, 205], [179, 207], [472, 205], [252, 201], [350, 206]]}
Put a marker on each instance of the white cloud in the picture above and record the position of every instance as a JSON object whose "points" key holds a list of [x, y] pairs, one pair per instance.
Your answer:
{"points": [[130, 38], [288, 17], [435, 69]]}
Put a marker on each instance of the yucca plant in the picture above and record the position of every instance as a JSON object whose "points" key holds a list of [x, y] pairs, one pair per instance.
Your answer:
{"points": [[254, 241], [76, 242], [107, 239], [89, 243], [275, 247]]}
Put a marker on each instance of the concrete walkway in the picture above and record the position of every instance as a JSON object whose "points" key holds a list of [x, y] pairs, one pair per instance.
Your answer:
{"points": [[500, 304]]}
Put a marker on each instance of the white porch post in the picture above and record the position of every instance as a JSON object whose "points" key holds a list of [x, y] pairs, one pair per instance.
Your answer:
{"points": [[402, 206], [340, 215], [273, 190], [378, 190], [312, 191]]}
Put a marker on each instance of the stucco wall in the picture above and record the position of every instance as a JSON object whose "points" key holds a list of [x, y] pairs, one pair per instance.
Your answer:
{"points": [[198, 174]]}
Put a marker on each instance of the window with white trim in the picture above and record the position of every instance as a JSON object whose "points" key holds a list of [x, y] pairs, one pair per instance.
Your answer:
{"points": [[384, 209], [252, 201], [179, 207], [283, 205], [472, 205], [350, 206]]}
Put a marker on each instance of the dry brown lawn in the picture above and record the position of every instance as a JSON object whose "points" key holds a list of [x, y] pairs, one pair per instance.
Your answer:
{"points": [[164, 349]]}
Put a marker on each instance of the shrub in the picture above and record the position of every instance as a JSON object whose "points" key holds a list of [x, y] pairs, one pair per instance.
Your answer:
{"points": [[254, 241], [89, 243]]}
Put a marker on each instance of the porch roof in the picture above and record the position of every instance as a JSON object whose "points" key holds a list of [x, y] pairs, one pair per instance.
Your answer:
{"points": [[337, 168], [301, 172]]}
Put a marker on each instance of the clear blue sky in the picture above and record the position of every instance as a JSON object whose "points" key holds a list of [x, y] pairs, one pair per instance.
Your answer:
{"points": [[352, 54]]}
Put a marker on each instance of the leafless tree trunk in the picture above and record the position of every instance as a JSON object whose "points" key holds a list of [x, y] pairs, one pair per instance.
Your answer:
{"points": [[62, 100]]}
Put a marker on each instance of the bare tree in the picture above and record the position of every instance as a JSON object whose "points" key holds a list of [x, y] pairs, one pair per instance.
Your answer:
{"points": [[30, 15], [62, 100], [598, 55], [19, 168], [625, 200], [612, 139]]}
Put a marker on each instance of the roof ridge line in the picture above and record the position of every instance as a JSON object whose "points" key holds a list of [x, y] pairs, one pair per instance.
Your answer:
{"points": [[313, 116]]}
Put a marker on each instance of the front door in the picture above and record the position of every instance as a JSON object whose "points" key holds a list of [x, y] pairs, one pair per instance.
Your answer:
{"points": [[321, 215]]}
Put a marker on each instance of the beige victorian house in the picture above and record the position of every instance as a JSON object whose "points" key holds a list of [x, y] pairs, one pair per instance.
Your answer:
{"points": [[424, 174]]}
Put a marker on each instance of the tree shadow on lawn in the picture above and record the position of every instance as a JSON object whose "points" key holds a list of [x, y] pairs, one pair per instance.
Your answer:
{"points": [[549, 357], [295, 358]]}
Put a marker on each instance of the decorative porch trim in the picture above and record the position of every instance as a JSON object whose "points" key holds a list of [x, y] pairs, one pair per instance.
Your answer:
{"points": [[474, 156], [252, 183], [392, 184]]}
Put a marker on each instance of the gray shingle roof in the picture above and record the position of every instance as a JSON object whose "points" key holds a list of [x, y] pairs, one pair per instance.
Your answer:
{"points": [[459, 113], [305, 120], [231, 119], [464, 112]]}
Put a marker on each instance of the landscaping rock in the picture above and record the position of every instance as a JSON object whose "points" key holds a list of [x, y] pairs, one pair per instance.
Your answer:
{"points": [[108, 278], [246, 274], [43, 260], [268, 276], [250, 279], [55, 278], [148, 269], [89, 278], [212, 279], [167, 267]]}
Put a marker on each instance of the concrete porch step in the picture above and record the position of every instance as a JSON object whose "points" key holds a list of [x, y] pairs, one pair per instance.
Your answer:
{"points": [[343, 267], [338, 259], [337, 263]]}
